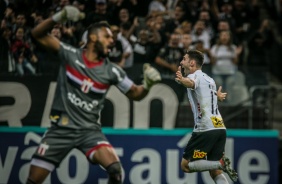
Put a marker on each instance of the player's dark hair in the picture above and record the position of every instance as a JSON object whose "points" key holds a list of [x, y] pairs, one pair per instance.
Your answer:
{"points": [[197, 56], [94, 28]]}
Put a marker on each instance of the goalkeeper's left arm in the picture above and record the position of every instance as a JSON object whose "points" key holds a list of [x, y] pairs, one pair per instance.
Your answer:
{"points": [[151, 77]]}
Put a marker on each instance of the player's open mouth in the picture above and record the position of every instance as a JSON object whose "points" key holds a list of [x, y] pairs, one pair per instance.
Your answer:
{"points": [[109, 49]]}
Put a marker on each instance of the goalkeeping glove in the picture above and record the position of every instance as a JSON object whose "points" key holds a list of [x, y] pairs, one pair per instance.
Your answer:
{"points": [[151, 76], [68, 13]]}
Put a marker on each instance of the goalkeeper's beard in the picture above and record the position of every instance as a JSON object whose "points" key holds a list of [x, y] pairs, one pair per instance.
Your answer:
{"points": [[99, 49]]}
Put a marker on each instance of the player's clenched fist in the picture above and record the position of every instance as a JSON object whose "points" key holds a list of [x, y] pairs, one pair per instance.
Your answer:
{"points": [[68, 13]]}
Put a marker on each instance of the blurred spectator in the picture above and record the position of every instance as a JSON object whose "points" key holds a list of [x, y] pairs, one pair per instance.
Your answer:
{"points": [[3, 6], [245, 15], [9, 15], [155, 25], [116, 54], [169, 57], [222, 25], [186, 26], [80, 4], [99, 13], [199, 45], [125, 10], [200, 33], [124, 16], [145, 50], [38, 17], [21, 22], [176, 20], [23, 54], [7, 63], [224, 59], [126, 45], [209, 23], [225, 12], [191, 8], [157, 7], [79, 27], [61, 4], [186, 42], [260, 44]]}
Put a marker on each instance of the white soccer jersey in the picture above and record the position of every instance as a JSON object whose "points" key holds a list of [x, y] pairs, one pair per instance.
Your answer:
{"points": [[203, 100]]}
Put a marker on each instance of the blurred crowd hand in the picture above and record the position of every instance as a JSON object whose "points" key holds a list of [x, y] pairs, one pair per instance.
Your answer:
{"points": [[134, 2], [8, 12], [136, 21], [116, 2], [33, 15], [3, 24], [34, 59], [205, 5], [173, 67], [21, 58], [239, 50], [265, 25], [254, 2]]}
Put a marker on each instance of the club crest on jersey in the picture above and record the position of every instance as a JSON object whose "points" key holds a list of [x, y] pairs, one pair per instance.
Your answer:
{"points": [[42, 148], [86, 85]]}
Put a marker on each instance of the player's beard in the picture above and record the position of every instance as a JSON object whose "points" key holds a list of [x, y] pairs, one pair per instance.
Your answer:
{"points": [[99, 49]]}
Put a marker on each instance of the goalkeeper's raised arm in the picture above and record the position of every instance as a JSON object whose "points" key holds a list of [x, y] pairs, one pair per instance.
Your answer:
{"points": [[40, 32]]}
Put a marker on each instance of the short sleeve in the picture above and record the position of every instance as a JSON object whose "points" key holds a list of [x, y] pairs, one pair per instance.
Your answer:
{"points": [[194, 78], [121, 80]]}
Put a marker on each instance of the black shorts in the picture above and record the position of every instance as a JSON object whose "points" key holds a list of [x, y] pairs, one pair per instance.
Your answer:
{"points": [[207, 145]]}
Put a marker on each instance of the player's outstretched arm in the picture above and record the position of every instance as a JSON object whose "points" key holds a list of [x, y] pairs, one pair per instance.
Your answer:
{"points": [[40, 32], [186, 82], [151, 77], [221, 96]]}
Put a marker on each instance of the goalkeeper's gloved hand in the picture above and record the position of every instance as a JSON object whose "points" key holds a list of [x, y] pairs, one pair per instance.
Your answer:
{"points": [[68, 13], [151, 76]]}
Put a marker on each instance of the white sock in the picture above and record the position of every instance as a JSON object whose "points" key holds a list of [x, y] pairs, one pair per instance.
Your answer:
{"points": [[220, 179], [203, 165]]}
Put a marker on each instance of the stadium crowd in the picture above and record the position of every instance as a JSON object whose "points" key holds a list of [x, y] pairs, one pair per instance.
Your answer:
{"points": [[233, 35]]}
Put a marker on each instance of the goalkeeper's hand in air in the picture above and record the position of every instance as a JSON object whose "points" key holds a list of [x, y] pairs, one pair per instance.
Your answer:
{"points": [[68, 13], [151, 76]]}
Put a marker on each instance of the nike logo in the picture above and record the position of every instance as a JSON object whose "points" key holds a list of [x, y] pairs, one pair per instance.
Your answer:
{"points": [[79, 63]]}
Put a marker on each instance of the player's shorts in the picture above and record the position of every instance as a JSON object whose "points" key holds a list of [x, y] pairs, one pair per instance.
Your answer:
{"points": [[207, 145], [58, 142]]}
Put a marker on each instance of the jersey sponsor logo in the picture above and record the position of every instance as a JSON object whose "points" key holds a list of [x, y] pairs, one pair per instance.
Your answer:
{"points": [[81, 103], [42, 148], [199, 154], [217, 122], [86, 85]]}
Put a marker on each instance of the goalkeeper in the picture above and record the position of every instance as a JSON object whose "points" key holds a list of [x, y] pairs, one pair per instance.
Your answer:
{"points": [[84, 79]]}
